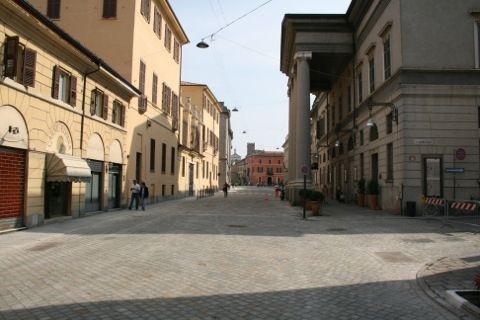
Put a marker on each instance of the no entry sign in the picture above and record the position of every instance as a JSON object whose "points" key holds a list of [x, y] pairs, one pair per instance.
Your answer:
{"points": [[460, 154]]}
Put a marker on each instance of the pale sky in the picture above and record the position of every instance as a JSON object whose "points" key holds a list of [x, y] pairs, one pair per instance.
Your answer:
{"points": [[242, 64]]}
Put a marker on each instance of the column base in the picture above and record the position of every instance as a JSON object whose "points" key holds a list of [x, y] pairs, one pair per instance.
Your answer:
{"points": [[293, 189]]}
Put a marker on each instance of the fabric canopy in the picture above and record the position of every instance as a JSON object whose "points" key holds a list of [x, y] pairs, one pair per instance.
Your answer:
{"points": [[67, 168]]}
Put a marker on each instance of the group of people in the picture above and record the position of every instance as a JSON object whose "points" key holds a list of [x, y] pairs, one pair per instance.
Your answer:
{"points": [[139, 195]]}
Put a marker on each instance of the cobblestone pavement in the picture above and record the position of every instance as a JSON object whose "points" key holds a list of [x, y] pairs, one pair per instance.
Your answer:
{"points": [[249, 256]]}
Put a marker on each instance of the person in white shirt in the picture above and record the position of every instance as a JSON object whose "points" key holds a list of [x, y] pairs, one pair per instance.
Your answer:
{"points": [[135, 189]]}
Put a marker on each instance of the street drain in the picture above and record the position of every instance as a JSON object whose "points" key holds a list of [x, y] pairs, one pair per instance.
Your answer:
{"points": [[394, 257], [44, 246], [337, 229], [236, 226], [418, 240]]}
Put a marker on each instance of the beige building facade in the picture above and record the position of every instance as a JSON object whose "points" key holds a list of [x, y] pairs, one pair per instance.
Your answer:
{"points": [[142, 39], [394, 104], [63, 131], [206, 130]]}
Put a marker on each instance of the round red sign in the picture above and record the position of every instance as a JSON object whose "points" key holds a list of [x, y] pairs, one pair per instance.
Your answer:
{"points": [[460, 154]]}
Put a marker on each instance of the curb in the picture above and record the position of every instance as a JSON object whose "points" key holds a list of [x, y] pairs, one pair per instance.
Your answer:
{"points": [[461, 303]]}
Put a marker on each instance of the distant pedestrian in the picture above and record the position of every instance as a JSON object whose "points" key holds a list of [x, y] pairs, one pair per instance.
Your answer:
{"points": [[225, 189], [143, 195], [135, 195]]}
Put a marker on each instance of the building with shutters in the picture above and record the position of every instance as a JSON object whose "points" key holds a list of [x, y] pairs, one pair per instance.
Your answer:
{"points": [[142, 40], [394, 104], [202, 136], [265, 168], [62, 135]]}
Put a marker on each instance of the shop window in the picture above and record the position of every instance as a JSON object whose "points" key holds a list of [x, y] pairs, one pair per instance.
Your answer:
{"points": [[152, 155]]}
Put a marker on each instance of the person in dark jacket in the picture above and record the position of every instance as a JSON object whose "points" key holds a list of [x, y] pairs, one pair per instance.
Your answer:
{"points": [[143, 194]]}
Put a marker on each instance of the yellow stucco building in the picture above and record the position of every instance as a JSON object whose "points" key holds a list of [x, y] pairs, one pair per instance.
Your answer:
{"points": [[142, 40], [200, 138], [63, 130]]}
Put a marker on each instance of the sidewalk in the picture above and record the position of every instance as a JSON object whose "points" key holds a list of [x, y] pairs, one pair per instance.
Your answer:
{"points": [[449, 274]]}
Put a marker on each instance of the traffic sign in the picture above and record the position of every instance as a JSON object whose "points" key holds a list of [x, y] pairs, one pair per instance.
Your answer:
{"points": [[455, 170], [305, 169], [460, 154]]}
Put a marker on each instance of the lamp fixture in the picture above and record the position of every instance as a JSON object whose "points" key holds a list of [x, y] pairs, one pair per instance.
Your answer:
{"points": [[235, 109], [202, 45], [337, 143], [370, 123]]}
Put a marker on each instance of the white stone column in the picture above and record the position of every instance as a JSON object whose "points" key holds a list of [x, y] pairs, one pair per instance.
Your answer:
{"points": [[291, 129], [302, 126]]}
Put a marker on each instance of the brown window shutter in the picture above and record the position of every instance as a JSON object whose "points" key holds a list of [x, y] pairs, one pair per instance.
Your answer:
{"points": [[122, 115], [10, 59], [73, 91], [29, 64], [105, 107], [92, 102], [147, 9], [56, 82]]}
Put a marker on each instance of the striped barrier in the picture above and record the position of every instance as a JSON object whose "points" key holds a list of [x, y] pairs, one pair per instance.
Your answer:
{"points": [[435, 201], [464, 206], [434, 207]]}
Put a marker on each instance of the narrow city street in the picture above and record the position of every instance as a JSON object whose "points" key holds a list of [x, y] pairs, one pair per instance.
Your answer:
{"points": [[247, 256]]}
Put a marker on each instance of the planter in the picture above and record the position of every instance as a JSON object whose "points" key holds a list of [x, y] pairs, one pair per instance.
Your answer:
{"points": [[361, 199], [373, 201], [316, 208], [467, 300]]}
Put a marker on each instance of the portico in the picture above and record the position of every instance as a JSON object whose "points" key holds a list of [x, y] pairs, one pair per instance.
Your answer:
{"points": [[315, 49]]}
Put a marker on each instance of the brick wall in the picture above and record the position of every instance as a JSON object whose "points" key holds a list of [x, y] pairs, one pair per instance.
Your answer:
{"points": [[12, 182]]}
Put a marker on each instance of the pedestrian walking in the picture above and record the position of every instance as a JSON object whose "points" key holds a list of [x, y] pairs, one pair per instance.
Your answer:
{"points": [[143, 195], [225, 189], [135, 195]]}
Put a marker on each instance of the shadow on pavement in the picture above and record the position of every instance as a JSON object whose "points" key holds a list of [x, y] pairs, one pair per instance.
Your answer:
{"points": [[360, 301]]}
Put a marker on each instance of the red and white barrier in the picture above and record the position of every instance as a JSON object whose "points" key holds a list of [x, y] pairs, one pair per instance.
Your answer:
{"points": [[435, 201], [465, 206]]}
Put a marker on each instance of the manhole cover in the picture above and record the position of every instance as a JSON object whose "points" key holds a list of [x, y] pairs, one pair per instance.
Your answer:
{"points": [[44, 246], [336, 229], [394, 257], [236, 226], [419, 240]]}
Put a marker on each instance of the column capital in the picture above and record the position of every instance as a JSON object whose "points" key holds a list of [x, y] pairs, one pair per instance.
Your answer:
{"points": [[303, 55]]}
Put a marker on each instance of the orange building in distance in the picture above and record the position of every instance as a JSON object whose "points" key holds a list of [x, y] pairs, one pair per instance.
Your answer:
{"points": [[265, 168]]}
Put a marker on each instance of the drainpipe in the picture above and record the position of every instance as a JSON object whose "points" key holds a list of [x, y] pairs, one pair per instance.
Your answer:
{"points": [[98, 63], [85, 75]]}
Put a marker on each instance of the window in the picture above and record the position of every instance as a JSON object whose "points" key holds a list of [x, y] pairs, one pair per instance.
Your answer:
{"points": [[145, 9], [387, 59], [20, 62], [118, 113], [53, 9], [164, 157], [371, 73], [175, 107], [373, 133], [183, 166], [172, 161], [198, 169], [99, 104], [109, 9], [361, 137], [333, 116], [152, 154], [362, 166], [163, 190], [389, 122], [64, 86], [172, 191], [154, 88], [157, 23], [349, 98], [141, 77], [340, 109], [390, 161], [176, 50], [168, 38], [477, 42], [360, 87], [166, 98], [203, 168]]}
